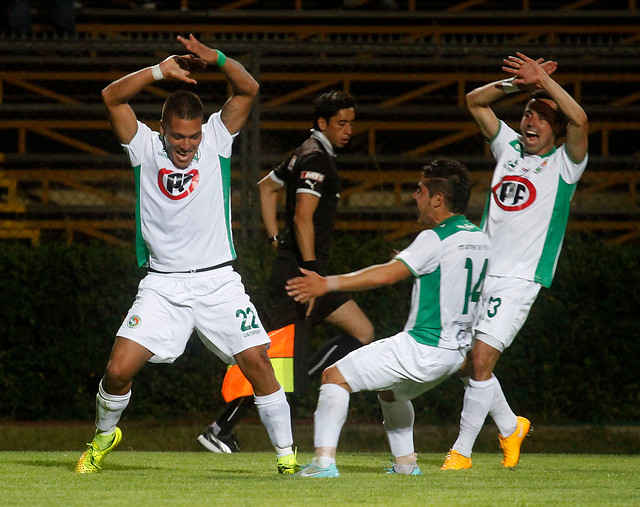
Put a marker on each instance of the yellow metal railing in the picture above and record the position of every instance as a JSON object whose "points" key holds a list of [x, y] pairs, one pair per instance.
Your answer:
{"points": [[62, 193]]}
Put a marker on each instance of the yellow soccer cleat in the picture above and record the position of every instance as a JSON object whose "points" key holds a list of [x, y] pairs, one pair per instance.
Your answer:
{"points": [[91, 460], [455, 461], [511, 445], [288, 465]]}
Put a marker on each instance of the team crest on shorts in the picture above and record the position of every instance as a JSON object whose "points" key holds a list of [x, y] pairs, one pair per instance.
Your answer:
{"points": [[134, 321]]}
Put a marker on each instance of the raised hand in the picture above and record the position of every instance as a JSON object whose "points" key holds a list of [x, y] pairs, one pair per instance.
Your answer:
{"points": [[527, 73], [205, 53], [180, 67], [190, 63]]}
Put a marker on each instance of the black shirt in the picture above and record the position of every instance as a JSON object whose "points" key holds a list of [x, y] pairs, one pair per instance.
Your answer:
{"points": [[311, 169]]}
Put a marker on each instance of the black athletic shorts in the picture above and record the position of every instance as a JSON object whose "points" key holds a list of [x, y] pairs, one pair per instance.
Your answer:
{"points": [[285, 310]]}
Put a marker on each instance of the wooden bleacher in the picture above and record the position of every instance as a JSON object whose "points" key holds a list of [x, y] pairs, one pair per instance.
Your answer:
{"points": [[62, 174]]}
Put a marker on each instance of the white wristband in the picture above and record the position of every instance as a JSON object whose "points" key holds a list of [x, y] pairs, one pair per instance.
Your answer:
{"points": [[508, 86], [332, 284], [157, 73]]}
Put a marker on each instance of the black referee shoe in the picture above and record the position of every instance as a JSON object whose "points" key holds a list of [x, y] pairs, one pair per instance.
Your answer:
{"points": [[218, 443]]}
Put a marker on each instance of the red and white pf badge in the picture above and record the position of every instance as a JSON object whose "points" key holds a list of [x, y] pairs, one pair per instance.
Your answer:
{"points": [[514, 193], [177, 185]]}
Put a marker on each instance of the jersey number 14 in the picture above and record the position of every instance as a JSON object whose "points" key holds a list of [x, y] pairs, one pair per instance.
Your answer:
{"points": [[473, 290]]}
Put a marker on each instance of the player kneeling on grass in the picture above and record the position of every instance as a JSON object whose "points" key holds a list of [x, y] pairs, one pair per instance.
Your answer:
{"points": [[448, 263], [185, 241]]}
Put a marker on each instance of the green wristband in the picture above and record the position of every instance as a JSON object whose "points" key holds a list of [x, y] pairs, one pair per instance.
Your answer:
{"points": [[221, 58]]}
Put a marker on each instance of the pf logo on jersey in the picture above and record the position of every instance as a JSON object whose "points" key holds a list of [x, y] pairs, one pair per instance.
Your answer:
{"points": [[177, 185], [514, 193]]}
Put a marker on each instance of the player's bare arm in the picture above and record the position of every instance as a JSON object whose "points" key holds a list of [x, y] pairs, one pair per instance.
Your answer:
{"points": [[478, 104], [306, 205], [311, 285], [117, 95], [268, 189], [480, 99], [528, 72], [244, 87]]}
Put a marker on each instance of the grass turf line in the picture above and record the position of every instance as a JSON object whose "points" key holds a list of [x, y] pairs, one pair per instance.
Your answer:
{"points": [[180, 436], [201, 478]]}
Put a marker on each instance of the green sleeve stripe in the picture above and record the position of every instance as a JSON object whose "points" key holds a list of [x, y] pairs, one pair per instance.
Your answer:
{"points": [[225, 167], [485, 212], [555, 235], [142, 252], [428, 325]]}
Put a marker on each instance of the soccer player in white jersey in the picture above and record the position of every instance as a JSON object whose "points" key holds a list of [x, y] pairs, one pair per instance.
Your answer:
{"points": [[526, 218], [448, 263], [184, 238]]}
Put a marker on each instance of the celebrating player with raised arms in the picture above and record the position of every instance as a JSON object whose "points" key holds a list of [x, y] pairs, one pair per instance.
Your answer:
{"points": [[184, 239], [531, 190]]}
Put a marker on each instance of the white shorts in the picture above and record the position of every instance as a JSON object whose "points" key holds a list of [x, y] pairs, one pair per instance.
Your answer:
{"points": [[169, 307], [399, 364], [503, 309]]}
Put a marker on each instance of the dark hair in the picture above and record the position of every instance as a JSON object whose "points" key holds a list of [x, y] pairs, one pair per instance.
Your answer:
{"points": [[542, 94], [182, 104], [452, 179], [328, 104]]}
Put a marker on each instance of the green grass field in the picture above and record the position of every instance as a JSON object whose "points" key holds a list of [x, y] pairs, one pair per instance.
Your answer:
{"points": [[164, 465], [200, 478]]}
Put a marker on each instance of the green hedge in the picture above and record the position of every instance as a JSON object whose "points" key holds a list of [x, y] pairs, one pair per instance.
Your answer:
{"points": [[61, 305]]}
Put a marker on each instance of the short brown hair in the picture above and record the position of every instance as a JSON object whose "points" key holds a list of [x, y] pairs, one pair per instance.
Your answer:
{"points": [[182, 104], [452, 179]]}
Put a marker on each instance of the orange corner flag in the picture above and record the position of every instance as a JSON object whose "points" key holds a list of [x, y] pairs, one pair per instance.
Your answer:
{"points": [[235, 383]]}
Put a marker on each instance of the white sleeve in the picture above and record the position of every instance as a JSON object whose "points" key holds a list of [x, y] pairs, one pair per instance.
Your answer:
{"points": [[137, 147], [504, 139], [423, 255], [569, 170], [216, 132]]}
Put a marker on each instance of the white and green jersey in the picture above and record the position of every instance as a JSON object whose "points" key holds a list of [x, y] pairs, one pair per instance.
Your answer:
{"points": [[527, 210], [183, 216], [449, 263]]}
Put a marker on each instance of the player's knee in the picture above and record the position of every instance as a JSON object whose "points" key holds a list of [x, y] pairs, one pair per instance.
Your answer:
{"points": [[256, 366], [254, 359], [484, 358], [368, 333], [364, 331], [332, 375], [116, 380], [482, 367]]}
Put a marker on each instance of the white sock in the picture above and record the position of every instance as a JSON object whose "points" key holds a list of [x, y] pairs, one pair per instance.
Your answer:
{"points": [[275, 414], [323, 461], [478, 398], [398, 423], [109, 408], [330, 415], [501, 412]]}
